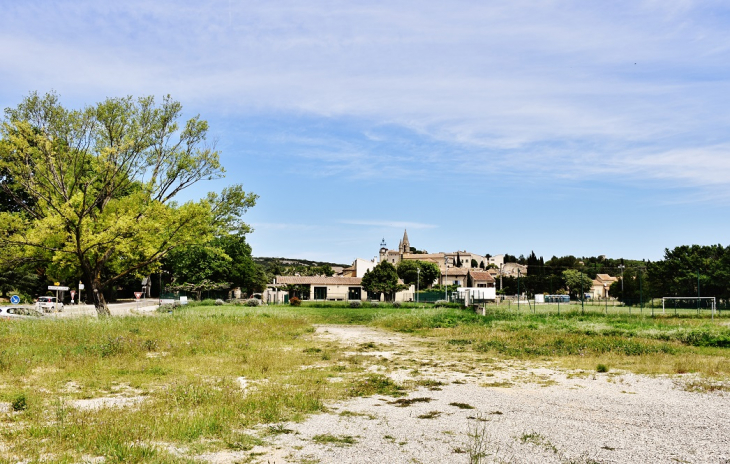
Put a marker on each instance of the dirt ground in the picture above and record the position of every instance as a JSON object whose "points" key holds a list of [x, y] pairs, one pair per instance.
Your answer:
{"points": [[472, 408]]}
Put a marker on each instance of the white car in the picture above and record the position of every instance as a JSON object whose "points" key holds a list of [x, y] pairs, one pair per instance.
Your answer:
{"points": [[49, 303], [19, 312]]}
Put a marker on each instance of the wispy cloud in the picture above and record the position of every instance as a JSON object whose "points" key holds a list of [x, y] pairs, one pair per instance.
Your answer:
{"points": [[392, 224], [558, 88]]}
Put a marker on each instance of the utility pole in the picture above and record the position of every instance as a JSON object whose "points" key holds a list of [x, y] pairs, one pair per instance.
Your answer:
{"points": [[582, 294], [518, 289], [698, 290], [621, 267], [446, 278], [500, 276]]}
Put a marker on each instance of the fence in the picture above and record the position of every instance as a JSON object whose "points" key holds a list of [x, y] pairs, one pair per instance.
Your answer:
{"points": [[609, 306], [429, 297]]}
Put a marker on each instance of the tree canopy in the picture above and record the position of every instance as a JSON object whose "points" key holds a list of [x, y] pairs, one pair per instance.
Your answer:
{"points": [[383, 278], [96, 188], [408, 271], [577, 282]]}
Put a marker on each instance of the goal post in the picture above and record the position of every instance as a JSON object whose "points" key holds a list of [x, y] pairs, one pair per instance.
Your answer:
{"points": [[690, 302]]}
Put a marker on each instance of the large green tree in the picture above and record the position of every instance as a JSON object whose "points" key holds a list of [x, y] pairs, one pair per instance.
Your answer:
{"points": [[97, 187], [577, 282], [408, 270], [223, 263], [383, 278]]}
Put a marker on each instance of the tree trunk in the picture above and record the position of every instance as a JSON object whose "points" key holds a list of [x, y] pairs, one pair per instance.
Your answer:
{"points": [[102, 310]]}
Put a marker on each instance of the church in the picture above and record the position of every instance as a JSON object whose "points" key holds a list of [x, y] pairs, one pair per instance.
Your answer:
{"points": [[454, 265]]}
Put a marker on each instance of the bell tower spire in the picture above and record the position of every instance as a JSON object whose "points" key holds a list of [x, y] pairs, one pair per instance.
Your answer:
{"points": [[405, 244]]}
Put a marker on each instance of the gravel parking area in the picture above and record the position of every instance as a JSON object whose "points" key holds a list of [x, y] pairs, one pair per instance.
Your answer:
{"points": [[512, 412]]}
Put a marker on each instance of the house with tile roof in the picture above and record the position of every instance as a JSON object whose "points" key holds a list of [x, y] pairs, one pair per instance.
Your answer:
{"points": [[480, 279], [319, 288], [601, 285]]}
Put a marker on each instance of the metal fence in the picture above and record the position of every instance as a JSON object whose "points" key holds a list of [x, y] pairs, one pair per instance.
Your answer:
{"points": [[610, 306]]}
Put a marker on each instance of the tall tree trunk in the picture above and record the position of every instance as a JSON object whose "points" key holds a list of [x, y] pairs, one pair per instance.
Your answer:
{"points": [[102, 310]]}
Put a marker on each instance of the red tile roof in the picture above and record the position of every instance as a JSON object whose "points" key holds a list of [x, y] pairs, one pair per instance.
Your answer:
{"points": [[317, 280]]}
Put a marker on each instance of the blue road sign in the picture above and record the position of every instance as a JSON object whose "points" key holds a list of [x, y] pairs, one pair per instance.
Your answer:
{"points": [[15, 299]]}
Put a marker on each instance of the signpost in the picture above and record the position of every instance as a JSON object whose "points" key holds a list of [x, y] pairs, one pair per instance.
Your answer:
{"points": [[57, 288], [15, 299], [138, 295], [73, 293]]}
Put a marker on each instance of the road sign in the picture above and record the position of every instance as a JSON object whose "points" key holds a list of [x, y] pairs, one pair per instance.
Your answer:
{"points": [[73, 293], [15, 299], [57, 287], [138, 295]]}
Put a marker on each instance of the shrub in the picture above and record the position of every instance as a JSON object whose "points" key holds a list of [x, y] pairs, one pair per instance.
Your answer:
{"points": [[602, 368], [295, 301], [253, 302], [165, 308], [20, 403], [356, 304], [374, 304], [397, 304], [219, 302], [440, 303]]}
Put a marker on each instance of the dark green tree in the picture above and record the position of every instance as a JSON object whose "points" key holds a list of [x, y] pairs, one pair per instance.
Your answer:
{"points": [[577, 282], [408, 271], [382, 279]]}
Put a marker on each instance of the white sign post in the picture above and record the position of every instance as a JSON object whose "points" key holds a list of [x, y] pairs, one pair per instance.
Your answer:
{"points": [[57, 288], [73, 294]]}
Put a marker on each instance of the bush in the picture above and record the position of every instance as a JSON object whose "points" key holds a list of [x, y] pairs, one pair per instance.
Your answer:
{"points": [[165, 308], [295, 301], [219, 302], [252, 302], [601, 368], [20, 403], [374, 304], [356, 304], [440, 303], [397, 304]]}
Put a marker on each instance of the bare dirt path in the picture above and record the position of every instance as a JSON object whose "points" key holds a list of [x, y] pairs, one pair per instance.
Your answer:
{"points": [[506, 412]]}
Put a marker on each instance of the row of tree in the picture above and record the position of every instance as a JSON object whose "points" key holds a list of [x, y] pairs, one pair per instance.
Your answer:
{"points": [[688, 270]]}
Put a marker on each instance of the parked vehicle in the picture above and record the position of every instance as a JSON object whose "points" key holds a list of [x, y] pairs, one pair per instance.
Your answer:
{"points": [[19, 312], [49, 303]]}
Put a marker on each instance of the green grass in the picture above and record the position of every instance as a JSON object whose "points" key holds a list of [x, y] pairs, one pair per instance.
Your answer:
{"points": [[185, 367]]}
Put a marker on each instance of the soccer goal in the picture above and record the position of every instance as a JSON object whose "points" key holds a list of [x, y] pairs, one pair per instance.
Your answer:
{"points": [[689, 302]]}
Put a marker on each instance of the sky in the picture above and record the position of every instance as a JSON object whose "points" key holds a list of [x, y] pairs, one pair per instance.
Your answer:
{"points": [[559, 127]]}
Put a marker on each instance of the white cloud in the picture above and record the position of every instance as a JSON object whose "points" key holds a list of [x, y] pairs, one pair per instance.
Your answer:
{"points": [[391, 224], [566, 87]]}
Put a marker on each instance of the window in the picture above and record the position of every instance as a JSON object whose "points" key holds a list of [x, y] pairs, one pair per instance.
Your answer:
{"points": [[320, 293], [481, 285], [354, 293]]}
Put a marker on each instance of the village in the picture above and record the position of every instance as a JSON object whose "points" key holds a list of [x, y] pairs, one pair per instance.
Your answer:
{"points": [[475, 277]]}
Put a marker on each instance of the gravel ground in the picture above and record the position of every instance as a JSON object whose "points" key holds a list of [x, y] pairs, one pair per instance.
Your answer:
{"points": [[521, 413]]}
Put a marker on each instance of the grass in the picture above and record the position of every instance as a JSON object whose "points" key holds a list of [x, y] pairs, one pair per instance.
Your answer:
{"points": [[185, 368], [337, 440], [430, 415]]}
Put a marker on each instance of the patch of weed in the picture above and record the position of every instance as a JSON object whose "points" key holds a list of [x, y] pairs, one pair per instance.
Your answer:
{"points": [[430, 415], [375, 384], [405, 402], [337, 440], [462, 405]]}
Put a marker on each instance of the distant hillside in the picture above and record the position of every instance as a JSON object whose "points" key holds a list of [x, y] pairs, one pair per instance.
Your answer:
{"points": [[267, 262]]}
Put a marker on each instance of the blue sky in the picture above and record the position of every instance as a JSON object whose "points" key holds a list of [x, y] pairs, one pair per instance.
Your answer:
{"points": [[563, 127]]}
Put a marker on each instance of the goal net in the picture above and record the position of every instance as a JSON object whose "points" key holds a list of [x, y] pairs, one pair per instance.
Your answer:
{"points": [[697, 303]]}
